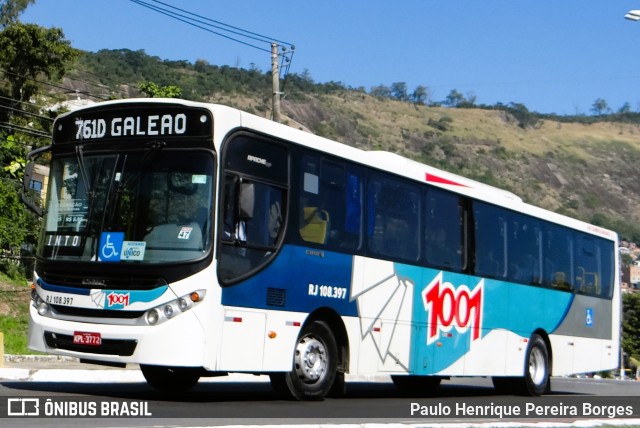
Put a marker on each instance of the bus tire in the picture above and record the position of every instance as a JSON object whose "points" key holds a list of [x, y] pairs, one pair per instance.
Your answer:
{"points": [[536, 368], [315, 363], [170, 379]]}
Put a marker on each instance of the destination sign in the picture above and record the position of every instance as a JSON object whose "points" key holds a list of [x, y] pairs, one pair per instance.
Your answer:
{"points": [[133, 121]]}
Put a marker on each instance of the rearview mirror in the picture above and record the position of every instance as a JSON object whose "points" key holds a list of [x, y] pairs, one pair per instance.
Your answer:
{"points": [[34, 180]]}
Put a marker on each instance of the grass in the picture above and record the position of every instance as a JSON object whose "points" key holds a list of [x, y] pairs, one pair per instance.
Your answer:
{"points": [[14, 315]]}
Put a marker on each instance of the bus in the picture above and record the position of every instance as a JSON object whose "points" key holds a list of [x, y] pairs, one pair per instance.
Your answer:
{"points": [[198, 240]]}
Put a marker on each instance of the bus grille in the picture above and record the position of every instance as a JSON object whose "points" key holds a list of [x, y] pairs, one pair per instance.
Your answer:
{"points": [[120, 347], [112, 283], [96, 313]]}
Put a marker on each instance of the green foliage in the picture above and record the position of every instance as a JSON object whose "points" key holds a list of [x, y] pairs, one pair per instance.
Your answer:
{"points": [[152, 90], [454, 99], [15, 324], [631, 325], [17, 225], [442, 124], [521, 114], [30, 51], [12, 156], [11, 9], [600, 107], [197, 81]]}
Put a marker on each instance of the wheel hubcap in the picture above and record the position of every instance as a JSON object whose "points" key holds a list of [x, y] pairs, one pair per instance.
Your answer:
{"points": [[537, 369], [311, 360]]}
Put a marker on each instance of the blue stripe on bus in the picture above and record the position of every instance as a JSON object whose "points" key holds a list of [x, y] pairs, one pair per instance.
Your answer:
{"points": [[306, 279]]}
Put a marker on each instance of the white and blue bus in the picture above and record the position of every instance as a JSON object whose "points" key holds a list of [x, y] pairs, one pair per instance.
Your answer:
{"points": [[198, 240]]}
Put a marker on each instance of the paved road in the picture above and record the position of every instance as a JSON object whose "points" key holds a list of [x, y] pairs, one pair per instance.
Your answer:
{"points": [[249, 400]]}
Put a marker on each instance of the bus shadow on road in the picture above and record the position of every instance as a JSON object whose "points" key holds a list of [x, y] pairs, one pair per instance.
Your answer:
{"points": [[245, 391]]}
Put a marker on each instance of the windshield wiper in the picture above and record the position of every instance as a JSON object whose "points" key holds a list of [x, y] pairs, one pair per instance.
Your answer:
{"points": [[154, 148], [83, 171]]}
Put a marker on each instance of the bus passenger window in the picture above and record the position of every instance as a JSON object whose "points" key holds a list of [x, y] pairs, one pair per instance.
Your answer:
{"points": [[330, 204], [524, 250], [393, 219], [444, 230], [557, 252], [491, 241]]}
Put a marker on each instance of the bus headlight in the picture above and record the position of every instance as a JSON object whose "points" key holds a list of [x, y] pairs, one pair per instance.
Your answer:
{"points": [[152, 316], [171, 309], [168, 311], [41, 306]]}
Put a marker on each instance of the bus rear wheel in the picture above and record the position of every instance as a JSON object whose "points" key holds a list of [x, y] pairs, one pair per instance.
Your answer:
{"points": [[536, 380], [170, 379], [315, 363], [536, 369]]}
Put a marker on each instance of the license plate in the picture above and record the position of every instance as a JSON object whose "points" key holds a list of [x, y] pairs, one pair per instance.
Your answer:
{"points": [[87, 338]]}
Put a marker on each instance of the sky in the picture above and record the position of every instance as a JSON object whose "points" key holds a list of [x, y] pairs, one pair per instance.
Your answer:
{"points": [[553, 56]]}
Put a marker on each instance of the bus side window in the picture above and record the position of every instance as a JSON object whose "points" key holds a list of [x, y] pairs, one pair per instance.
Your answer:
{"points": [[491, 241], [557, 252], [330, 204], [589, 266], [444, 230], [393, 219], [525, 252]]}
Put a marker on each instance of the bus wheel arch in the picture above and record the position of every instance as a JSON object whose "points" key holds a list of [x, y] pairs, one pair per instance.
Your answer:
{"points": [[339, 332], [537, 369], [320, 358], [171, 379]]}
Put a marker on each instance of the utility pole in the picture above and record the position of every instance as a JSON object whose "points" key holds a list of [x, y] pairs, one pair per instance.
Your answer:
{"points": [[275, 78]]}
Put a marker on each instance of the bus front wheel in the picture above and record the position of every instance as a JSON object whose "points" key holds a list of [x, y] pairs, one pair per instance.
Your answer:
{"points": [[170, 379], [315, 363]]}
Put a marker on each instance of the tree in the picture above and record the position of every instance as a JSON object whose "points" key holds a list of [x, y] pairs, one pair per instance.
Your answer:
{"points": [[599, 107], [626, 108], [27, 52], [11, 9], [381, 91], [152, 90], [399, 91], [420, 95], [454, 99], [631, 325]]}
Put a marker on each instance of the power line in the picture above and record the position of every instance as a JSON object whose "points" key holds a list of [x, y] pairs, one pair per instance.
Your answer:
{"points": [[53, 85], [218, 24], [190, 21], [37, 133], [229, 28], [13, 100], [205, 22], [28, 113]]}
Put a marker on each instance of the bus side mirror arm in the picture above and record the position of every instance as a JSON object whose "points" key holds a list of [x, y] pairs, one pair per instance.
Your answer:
{"points": [[29, 201]]}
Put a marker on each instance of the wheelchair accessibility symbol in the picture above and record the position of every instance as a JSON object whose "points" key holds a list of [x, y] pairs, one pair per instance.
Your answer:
{"points": [[110, 246], [589, 317]]}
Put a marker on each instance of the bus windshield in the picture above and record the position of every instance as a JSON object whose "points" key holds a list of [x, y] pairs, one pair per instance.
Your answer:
{"points": [[151, 206]]}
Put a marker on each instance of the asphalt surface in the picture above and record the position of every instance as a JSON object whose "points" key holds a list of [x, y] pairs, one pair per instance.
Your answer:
{"points": [[50, 368]]}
